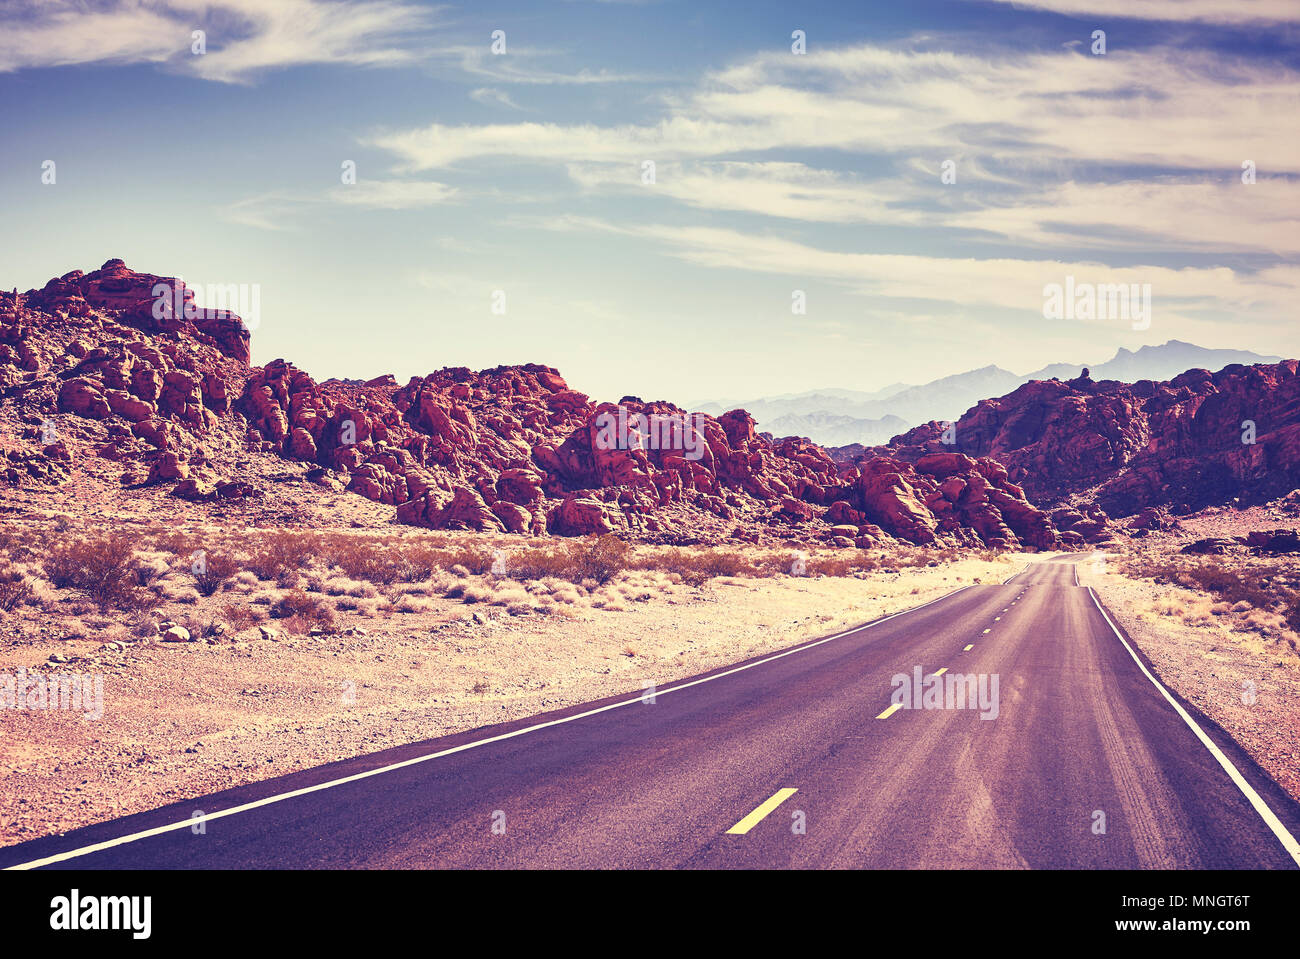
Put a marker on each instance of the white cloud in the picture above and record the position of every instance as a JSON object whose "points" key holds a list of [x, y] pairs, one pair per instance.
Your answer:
{"points": [[66, 33], [1263, 217], [392, 194], [1040, 109], [492, 97], [518, 65], [1207, 11], [244, 37], [780, 189], [1268, 295], [283, 211], [1018, 126]]}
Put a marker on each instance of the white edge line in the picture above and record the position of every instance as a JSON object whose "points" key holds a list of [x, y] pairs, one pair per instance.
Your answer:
{"points": [[318, 787], [1015, 574], [1288, 841]]}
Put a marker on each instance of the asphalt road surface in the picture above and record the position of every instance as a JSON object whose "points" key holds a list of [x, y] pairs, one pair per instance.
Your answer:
{"points": [[794, 760]]}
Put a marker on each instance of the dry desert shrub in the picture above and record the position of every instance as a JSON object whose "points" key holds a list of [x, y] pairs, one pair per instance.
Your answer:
{"points": [[281, 553], [477, 559], [696, 567], [19, 584], [540, 562], [150, 566], [239, 617], [15, 589], [832, 566], [173, 541], [101, 568], [301, 608], [362, 607], [383, 562], [365, 559], [599, 557], [211, 571]]}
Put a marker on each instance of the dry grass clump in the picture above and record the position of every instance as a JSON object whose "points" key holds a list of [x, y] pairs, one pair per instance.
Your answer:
{"points": [[407, 603], [150, 566], [346, 586]]}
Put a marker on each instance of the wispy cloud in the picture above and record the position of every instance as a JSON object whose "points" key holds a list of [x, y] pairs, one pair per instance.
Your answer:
{"points": [[1206, 11], [1130, 107], [243, 37], [285, 211], [489, 96], [525, 65], [1000, 282]]}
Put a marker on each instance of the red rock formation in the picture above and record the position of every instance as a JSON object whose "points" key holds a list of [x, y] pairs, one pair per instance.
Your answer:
{"points": [[1182, 444], [506, 449], [135, 298]]}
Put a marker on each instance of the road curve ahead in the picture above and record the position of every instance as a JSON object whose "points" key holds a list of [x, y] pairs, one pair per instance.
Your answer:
{"points": [[802, 759]]}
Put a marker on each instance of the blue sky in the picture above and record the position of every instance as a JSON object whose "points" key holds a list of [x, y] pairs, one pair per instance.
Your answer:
{"points": [[774, 172]]}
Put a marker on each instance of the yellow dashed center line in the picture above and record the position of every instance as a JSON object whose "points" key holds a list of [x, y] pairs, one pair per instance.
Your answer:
{"points": [[989, 630], [969, 648], [890, 711], [939, 672], [754, 818]]}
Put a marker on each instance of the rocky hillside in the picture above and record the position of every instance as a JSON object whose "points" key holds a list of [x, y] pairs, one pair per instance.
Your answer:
{"points": [[97, 387], [1198, 440]]}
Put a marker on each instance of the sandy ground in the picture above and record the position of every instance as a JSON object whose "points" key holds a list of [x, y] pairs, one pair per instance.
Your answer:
{"points": [[1247, 684], [184, 720]]}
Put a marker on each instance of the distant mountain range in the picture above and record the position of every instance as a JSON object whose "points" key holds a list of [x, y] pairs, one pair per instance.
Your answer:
{"points": [[842, 417]]}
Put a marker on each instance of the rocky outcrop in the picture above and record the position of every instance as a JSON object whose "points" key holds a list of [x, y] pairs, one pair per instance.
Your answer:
{"points": [[511, 449], [154, 304], [1197, 440], [947, 497]]}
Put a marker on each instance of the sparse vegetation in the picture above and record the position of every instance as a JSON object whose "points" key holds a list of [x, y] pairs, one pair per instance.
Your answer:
{"points": [[1264, 593], [102, 568], [302, 613], [15, 589], [214, 570]]}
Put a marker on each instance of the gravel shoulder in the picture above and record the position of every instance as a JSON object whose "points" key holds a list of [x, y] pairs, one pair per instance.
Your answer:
{"points": [[1246, 684]]}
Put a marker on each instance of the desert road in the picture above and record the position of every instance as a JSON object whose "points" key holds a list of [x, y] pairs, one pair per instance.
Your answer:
{"points": [[790, 760]]}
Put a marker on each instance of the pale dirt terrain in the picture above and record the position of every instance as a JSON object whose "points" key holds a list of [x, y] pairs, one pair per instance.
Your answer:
{"points": [[1210, 655], [186, 719]]}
